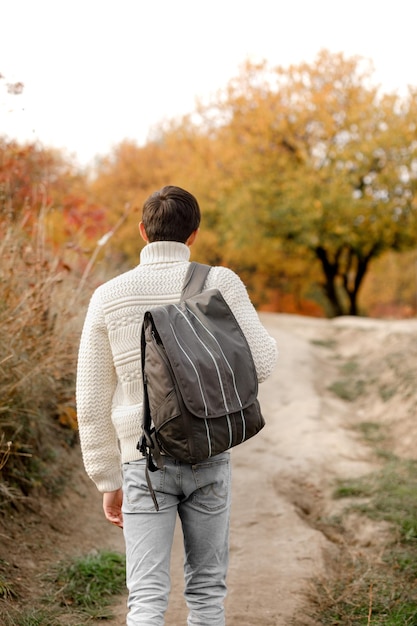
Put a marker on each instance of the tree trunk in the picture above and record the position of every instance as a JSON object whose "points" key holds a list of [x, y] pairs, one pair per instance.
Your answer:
{"points": [[350, 269], [331, 271], [352, 291]]}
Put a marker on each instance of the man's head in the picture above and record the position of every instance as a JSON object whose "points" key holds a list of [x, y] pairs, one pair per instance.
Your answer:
{"points": [[170, 214]]}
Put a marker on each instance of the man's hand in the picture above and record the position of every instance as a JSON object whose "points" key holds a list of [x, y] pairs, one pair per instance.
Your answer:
{"points": [[112, 506]]}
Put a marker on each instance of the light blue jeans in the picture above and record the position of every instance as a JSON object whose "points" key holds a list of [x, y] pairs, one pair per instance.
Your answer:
{"points": [[200, 494]]}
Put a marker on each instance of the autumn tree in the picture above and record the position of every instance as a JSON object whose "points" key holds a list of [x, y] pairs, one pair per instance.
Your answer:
{"points": [[304, 174], [319, 163]]}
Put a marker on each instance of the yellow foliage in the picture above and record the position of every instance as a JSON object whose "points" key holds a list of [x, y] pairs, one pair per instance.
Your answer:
{"points": [[310, 160], [67, 416]]}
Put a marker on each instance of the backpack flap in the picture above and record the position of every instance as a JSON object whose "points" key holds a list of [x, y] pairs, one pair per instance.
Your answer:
{"points": [[208, 353]]}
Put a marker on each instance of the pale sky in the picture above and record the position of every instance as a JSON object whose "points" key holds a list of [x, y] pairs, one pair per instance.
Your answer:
{"points": [[97, 72]]}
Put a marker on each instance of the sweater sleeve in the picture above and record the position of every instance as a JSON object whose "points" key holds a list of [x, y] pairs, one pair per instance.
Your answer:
{"points": [[96, 382], [263, 347]]}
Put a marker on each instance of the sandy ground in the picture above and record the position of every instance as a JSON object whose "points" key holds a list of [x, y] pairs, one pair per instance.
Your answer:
{"points": [[279, 479], [282, 479]]}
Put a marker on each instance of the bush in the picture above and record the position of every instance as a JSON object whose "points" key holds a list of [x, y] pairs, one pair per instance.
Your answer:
{"points": [[38, 346]]}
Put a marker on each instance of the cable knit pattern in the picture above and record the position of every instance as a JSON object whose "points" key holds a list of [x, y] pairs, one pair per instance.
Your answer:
{"points": [[109, 379]]}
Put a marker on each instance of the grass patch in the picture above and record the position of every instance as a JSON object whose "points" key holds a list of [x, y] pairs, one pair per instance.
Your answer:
{"points": [[351, 385], [371, 432], [30, 617], [330, 344], [89, 583], [366, 596], [6, 589], [79, 591], [393, 493], [378, 585], [348, 389], [387, 392]]}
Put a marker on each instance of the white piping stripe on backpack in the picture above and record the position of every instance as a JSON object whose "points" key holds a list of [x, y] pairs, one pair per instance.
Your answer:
{"points": [[194, 368], [210, 354], [243, 427], [208, 436], [230, 431], [223, 354]]}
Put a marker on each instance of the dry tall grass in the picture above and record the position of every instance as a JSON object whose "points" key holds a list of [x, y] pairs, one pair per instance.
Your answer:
{"points": [[38, 345]]}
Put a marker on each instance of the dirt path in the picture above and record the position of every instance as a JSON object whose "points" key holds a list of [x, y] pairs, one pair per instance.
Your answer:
{"points": [[280, 478]]}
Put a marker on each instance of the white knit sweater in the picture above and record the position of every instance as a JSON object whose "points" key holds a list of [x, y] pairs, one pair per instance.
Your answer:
{"points": [[109, 380]]}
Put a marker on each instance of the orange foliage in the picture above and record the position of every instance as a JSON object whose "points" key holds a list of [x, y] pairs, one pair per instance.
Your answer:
{"points": [[26, 173], [35, 181], [278, 302]]}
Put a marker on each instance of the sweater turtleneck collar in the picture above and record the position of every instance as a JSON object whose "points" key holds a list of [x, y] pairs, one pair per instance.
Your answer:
{"points": [[164, 252]]}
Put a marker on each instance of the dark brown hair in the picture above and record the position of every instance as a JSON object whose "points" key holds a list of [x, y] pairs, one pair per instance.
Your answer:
{"points": [[170, 214]]}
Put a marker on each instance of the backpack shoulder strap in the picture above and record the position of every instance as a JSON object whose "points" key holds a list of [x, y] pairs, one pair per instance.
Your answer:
{"points": [[194, 279]]}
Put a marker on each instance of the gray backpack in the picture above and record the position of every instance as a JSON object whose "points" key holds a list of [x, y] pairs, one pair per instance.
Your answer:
{"points": [[199, 379]]}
